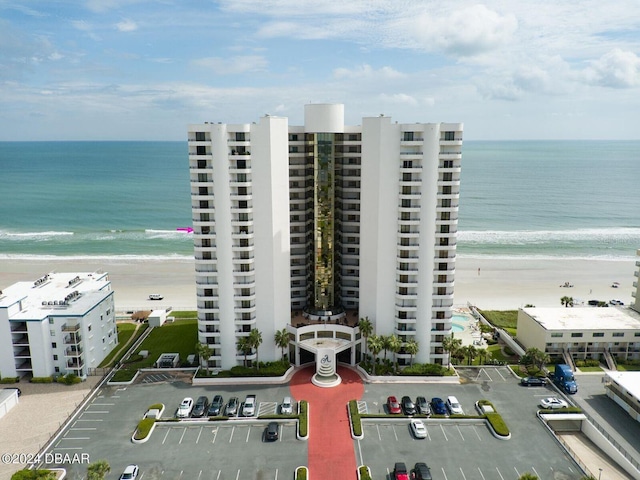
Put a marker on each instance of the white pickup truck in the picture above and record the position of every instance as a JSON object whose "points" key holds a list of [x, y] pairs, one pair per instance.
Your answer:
{"points": [[249, 407]]}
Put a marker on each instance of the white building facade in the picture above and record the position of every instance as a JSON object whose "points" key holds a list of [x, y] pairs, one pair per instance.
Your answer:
{"points": [[312, 227], [58, 324]]}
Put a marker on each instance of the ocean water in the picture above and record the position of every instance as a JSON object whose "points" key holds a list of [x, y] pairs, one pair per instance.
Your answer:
{"points": [[543, 199]]}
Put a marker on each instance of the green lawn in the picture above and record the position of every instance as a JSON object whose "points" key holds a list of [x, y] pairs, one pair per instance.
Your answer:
{"points": [[590, 369], [125, 332], [180, 337], [629, 368], [507, 319]]}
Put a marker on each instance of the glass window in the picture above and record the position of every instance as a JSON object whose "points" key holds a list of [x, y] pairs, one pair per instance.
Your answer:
{"points": [[556, 335], [618, 334], [598, 334], [576, 334]]}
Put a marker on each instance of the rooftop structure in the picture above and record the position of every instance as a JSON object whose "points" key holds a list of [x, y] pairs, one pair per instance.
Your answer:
{"points": [[624, 388]]}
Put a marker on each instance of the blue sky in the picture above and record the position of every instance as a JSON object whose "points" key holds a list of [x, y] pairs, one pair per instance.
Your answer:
{"points": [[144, 70]]}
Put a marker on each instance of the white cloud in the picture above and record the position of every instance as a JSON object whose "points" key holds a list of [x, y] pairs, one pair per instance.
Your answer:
{"points": [[233, 65], [615, 69], [127, 25], [399, 98], [366, 72]]}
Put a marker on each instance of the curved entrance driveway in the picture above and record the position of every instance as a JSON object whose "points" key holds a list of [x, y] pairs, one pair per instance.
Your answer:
{"points": [[330, 451]]}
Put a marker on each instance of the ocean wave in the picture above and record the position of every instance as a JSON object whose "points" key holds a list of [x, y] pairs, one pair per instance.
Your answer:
{"points": [[542, 257], [98, 257], [603, 236], [33, 235]]}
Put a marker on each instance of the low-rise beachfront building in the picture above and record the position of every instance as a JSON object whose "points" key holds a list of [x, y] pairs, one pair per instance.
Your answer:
{"points": [[636, 294], [581, 332], [624, 389], [58, 324], [312, 227]]}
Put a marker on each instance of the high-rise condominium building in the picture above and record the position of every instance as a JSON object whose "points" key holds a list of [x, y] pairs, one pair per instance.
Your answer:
{"points": [[311, 228]]}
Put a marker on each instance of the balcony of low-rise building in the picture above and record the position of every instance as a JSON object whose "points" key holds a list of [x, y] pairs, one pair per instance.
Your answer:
{"points": [[21, 351], [20, 339], [74, 351], [71, 327], [23, 365], [18, 327], [73, 339], [75, 363]]}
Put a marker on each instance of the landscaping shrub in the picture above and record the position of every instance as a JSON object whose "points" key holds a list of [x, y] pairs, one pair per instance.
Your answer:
{"points": [[144, 427], [269, 369], [302, 474], [428, 369], [303, 419], [34, 475], [10, 380], [69, 379], [355, 418], [589, 362], [41, 380], [155, 406], [561, 410], [496, 421], [364, 473], [125, 374]]}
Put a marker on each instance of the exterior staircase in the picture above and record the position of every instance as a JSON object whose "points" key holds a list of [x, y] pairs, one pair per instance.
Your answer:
{"points": [[568, 359], [611, 363]]}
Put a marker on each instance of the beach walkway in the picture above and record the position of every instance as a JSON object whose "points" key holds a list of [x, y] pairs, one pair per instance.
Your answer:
{"points": [[330, 452]]}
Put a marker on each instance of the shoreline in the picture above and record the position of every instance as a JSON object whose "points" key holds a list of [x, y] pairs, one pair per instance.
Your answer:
{"points": [[488, 283]]}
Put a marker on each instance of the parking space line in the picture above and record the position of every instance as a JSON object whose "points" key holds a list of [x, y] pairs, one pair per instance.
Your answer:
{"points": [[183, 432], [219, 472], [395, 434], [76, 438], [276, 474], [101, 405], [215, 434], [463, 475], [248, 432], [428, 436], [460, 432], [476, 432], [89, 420], [481, 473], [362, 407], [499, 473], [200, 475], [238, 474], [95, 411], [443, 432], [444, 474], [80, 428], [379, 436], [502, 376], [199, 433], [360, 452], [534, 471], [166, 435], [517, 473], [233, 429], [69, 448]]}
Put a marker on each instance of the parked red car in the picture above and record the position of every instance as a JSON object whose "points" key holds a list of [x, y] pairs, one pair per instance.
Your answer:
{"points": [[393, 406]]}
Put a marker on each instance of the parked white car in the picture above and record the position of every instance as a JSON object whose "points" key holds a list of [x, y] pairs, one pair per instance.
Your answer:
{"points": [[287, 407], [553, 402], [418, 429], [130, 473], [453, 405], [249, 407], [184, 410]]}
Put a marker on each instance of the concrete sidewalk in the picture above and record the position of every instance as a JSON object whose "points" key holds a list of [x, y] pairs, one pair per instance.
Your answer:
{"points": [[592, 458]]}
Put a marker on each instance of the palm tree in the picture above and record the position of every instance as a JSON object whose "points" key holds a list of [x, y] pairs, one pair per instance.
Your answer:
{"points": [[244, 345], [471, 353], [255, 339], [412, 347], [282, 340], [386, 346], [451, 345], [566, 301], [366, 329], [375, 346], [97, 470], [204, 351], [395, 345], [482, 353]]}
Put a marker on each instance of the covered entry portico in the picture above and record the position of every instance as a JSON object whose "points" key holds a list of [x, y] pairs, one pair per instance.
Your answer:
{"points": [[327, 342]]}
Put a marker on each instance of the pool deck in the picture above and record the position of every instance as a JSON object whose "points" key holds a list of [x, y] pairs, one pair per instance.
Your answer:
{"points": [[471, 334]]}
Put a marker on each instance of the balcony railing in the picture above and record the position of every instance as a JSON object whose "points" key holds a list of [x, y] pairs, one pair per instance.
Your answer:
{"points": [[70, 328]]}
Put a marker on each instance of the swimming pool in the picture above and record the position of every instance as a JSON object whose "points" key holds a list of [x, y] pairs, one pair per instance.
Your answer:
{"points": [[457, 328], [460, 318]]}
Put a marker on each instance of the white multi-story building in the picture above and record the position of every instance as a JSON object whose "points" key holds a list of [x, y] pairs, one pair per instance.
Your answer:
{"points": [[636, 294], [58, 324], [312, 227]]}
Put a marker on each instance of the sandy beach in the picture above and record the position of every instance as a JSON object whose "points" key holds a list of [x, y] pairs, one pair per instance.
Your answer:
{"points": [[498, 284]]}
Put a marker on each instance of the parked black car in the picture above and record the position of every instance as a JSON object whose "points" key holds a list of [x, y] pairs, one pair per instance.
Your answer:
{"points": [[215, 408], [421, 472], [200, 407], [533, 381], [271, 433], [408, 407], [423, 406]]}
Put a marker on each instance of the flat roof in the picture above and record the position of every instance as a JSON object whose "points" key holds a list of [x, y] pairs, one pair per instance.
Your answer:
{"points": [[585, 318], [630, 381], [57, 294]]}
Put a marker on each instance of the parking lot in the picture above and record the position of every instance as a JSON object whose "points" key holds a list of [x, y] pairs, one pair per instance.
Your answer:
{"points": [[196, 449], [234, 449]]}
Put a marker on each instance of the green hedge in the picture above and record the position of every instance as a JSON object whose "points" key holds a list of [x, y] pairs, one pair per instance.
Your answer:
{"points": [[561, 410], [10, 380], [144, 427], [69, 379], [41, 380], [303, 473], [269, 369], [355, 418], [156, 406], [125, 374], [303, 422], [498, 424]]}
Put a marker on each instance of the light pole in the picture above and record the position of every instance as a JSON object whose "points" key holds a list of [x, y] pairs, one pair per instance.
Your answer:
{"points": [[599, 473]]}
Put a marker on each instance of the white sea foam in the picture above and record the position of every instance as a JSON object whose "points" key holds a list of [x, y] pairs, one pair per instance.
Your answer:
{"points": [[542, 257], [33, 235], [174, 257], [527, 237]]}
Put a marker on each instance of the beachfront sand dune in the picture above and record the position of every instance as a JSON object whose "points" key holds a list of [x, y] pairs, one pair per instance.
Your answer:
{"points": [[486, 283]]}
